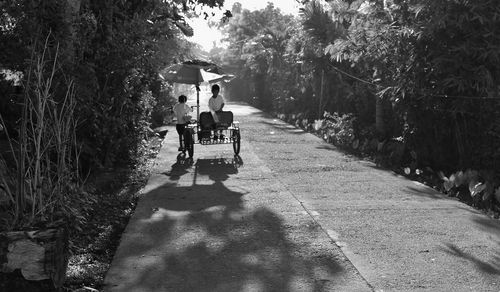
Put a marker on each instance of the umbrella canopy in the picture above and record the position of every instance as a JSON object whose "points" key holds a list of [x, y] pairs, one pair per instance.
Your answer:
{"points": [[193, 72]]}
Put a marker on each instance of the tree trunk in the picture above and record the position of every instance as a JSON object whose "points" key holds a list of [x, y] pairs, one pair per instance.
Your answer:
{"points": [[379, 109], [264, 100], [37, 255], [321, 95], [379, 118]]}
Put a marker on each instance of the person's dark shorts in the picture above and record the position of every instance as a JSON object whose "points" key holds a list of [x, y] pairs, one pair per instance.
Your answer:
{"points": [[180, 128]]}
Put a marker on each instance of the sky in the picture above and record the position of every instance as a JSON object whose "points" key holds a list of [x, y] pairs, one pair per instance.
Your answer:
{"points": [[205, 36]]}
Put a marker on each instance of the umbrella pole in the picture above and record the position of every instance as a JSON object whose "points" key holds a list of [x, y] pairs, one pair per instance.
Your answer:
{"points": [[198, 102]]}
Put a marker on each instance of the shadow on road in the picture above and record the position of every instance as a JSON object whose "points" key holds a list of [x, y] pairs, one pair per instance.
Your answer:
{"points": [[180, 167], [218, 169], [285, 127], [427, 192], [491, 265], [202, 237]]}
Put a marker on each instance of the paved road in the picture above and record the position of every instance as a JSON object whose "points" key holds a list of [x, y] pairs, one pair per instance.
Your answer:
{"points": [[295, 214]]}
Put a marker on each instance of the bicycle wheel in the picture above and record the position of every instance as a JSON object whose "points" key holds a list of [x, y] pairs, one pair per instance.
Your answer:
{"points": [[236, 141], [189, 142]]}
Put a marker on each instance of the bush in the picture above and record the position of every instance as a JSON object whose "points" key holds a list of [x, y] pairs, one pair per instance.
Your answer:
{"points": [[336, 129], [161, 113]]}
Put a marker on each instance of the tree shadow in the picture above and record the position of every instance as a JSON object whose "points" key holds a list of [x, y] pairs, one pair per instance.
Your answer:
{"points": [[492, 267], [203, 237], [285, 127], [492, 228], [348, 154], [427, 192], [489, 225], [255, 255]]}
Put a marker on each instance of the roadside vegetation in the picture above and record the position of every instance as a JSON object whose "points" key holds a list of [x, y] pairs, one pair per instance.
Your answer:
{"points": [[80, 95], [413, 84]]}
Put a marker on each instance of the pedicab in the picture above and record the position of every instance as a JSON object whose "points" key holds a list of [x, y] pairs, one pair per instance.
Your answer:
{"points": [[204, 129]]}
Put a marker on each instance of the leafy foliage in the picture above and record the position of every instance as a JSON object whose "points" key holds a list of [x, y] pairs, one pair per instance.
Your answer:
{"points": [[256, 53], [109, 54], [419, 78], [336, 129], [113, 51]]}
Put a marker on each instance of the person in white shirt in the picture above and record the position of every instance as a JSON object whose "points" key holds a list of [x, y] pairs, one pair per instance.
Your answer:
{"points": [[181, 111], [215, 105]]}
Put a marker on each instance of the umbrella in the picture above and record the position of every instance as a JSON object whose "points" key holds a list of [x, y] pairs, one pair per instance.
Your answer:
{"points": [[194, 72]]}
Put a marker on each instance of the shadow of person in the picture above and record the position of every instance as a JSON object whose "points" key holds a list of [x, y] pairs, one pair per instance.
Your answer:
{"points": [[180, 167]]}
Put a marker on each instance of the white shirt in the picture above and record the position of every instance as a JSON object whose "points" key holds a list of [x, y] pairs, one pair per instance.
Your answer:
{"points": [[180, 111], [215, 104]]}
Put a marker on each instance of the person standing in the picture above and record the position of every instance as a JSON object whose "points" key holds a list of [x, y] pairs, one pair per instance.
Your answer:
{"points": [[181, 111]]}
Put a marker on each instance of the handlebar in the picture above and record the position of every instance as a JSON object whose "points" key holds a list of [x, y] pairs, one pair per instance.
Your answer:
{"points": [[171, 108]]}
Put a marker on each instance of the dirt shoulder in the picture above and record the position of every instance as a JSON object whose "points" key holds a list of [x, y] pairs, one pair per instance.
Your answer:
{"points": [[115, 194]]}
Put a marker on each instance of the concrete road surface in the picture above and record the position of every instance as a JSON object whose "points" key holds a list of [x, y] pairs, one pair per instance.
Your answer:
{"points": [[293, 213]]}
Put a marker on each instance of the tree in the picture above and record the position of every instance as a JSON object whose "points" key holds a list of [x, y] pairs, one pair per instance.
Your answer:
{"points": [[319, 30], [371, 40], [113, 50], [456, 77], [257, 43], [429, 59]]}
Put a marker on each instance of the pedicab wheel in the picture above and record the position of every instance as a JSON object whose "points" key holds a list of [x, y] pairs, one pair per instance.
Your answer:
{"points": [[236, 142], [189, 142]]}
